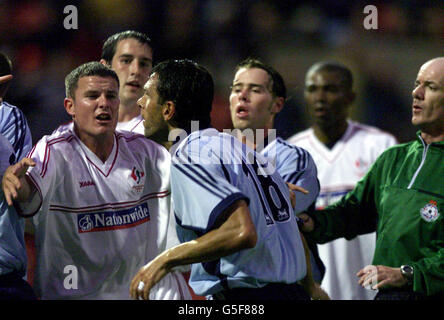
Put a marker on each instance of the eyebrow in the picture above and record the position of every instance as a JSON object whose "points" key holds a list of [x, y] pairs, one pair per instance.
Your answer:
{"points": [[237, 84], [427, 82], [127, 55], [99, 91]]}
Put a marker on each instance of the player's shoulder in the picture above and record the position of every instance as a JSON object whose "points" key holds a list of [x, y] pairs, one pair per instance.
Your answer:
{"points": [[202, 138], [138, 143], [10, 113], [287, 145], [368, 130], [67, 126], [7, 107], [55, 142], [300, 136], [206, 144]]}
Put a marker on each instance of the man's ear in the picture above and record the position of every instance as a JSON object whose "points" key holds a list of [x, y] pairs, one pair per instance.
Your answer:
{"points": [[168, 110], [69, 106], [278, 105], [103, 61]]}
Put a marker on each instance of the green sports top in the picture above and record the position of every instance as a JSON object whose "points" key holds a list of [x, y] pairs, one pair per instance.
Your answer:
{"points": [[402, 198]]}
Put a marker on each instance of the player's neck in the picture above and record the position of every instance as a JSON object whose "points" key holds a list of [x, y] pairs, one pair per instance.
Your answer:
{"points": [[331, 134], [257, 137], [162, 137], [101, 145], [128, 111]]}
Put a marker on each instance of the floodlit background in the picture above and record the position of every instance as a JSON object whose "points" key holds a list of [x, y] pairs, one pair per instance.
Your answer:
{"points": [[290, 35]]}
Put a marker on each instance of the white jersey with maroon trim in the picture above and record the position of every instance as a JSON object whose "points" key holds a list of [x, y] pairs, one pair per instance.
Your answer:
{"points": [[339, 169], [100, 222]]}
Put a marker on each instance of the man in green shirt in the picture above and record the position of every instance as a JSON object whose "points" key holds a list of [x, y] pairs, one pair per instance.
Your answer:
{"points": [[402, 199]]}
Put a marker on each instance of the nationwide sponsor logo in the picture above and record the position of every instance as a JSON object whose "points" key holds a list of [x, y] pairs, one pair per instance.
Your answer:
{"points": [[430, 211], [112, 220], [88, 183]]}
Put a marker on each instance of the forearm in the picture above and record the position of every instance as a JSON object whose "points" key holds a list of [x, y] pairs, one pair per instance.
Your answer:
{"points": [[235, 234], [347, 218]]}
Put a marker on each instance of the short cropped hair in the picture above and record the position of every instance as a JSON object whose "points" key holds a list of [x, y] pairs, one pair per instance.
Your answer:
{"points": [[110, 45], [190, 86], [86, 70], [5, 64], [334, 67], [278, 88]]}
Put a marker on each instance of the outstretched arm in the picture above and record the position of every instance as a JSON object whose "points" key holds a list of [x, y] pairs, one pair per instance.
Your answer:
{"points": [[236, 231]]}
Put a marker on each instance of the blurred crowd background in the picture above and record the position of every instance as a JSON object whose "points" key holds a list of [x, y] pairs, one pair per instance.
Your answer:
{"points": [[290, 35]]}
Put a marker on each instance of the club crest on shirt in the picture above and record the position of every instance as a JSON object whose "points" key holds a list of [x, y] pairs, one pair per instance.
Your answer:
{"points": [[361, 167], [430, 211], [137, 175]]}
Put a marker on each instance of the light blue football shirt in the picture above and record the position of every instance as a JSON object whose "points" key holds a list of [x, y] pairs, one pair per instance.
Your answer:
{"points": [[12, 242], [14, 127], [210, 171], [15, 143]]}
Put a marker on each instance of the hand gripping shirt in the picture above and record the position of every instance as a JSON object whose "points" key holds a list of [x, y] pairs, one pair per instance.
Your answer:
{"points": [[339, 169], [99, 222], [402, 198], [210, 171]]}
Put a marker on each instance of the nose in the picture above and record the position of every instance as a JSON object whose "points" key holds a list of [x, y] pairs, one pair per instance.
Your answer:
{"points": [[134, 67], [418, 92], [104, 101], [243, 94], [319, 95]]}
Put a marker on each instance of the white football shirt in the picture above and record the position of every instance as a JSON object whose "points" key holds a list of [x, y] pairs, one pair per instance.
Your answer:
{"points": [[339, 169], [100, 222]]}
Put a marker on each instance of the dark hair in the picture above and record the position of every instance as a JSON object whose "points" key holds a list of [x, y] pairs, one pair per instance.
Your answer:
{"points": [[5, 64], [86, 70], [110, 45], [335, 67], [190, 86], [278, 88]]}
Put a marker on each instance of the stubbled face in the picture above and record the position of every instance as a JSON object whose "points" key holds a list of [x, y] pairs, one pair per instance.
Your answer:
{"points": [[133, 62], [328, 102], [252, 105], [428, 97], [155, 126], [95, 106]]}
